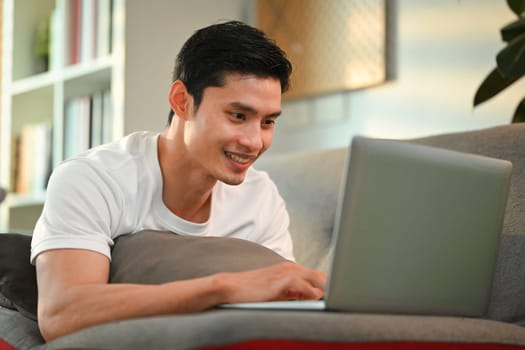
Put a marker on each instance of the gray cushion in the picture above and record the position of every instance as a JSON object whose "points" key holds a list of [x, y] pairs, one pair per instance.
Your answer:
{"points": [[18, 289], [507, 301], [18, 330], [153, 257]]}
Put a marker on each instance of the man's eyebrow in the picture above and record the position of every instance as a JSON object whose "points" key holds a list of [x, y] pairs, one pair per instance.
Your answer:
{"points": [[249, 109]]}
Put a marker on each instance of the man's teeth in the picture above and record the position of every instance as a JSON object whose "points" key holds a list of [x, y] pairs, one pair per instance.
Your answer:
{"points": [[238, 159]]}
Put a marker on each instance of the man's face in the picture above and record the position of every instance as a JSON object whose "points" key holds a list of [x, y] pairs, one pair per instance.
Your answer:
{"points": [[233, 125]]}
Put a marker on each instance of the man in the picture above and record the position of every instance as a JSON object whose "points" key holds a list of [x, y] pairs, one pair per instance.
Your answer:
{"points": [[194, 178]]}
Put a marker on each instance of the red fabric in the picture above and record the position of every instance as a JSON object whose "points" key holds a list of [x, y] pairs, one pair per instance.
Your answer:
{"points": [[311, 345], [5, 346]]}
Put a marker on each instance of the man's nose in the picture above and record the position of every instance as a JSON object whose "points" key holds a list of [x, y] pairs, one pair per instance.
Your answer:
{"points": [[251, 137]]}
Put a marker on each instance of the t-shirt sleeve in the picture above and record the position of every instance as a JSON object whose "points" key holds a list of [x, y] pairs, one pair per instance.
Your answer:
{"points": [[80, 211], [275, 233]]}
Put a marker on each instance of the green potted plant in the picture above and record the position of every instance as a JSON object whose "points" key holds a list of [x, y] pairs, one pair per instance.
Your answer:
{"points": [[41, 45], [510, 62]]}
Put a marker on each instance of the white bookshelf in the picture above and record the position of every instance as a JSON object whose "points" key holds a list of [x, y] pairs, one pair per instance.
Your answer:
{"points": [[31, 95], [146, 37]]}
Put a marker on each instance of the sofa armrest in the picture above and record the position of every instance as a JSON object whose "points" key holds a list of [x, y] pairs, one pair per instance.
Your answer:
{"points": [[223, 327]]}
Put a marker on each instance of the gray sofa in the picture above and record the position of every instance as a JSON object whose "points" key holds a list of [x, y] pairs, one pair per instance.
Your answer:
{"points": [[309, 183]]}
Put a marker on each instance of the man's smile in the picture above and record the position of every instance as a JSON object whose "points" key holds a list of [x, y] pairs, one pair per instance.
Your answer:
{"points": [[237, 158]]}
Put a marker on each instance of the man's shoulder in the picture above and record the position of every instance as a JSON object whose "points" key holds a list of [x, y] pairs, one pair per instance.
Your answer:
{"points": [[124, 162], [117, 154]]}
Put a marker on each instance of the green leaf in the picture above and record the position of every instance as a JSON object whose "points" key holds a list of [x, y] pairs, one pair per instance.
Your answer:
{"points": [[517, 6], [513, 30], [519, 114], [511, 60], [493, 84]]}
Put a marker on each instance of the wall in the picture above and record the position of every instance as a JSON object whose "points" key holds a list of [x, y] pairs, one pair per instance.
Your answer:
{"points": [[444, 50]]}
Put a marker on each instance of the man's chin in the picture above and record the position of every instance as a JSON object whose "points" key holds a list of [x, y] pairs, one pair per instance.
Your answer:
{"points": [[233, 180]]}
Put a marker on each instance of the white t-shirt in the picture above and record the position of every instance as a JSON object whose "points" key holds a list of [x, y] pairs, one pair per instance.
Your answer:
{"points": [[116, 189]]}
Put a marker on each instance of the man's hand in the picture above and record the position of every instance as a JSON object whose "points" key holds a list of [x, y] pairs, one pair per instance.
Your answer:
{"points": [[284, 281], [73, 291]]}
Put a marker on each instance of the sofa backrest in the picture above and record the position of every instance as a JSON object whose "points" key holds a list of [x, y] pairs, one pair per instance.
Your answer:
{"points": [[504, 142], [309, 183]]}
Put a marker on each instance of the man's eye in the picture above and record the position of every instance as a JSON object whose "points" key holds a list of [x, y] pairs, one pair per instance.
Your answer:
{"points": [[238, 116], [269, 122]]}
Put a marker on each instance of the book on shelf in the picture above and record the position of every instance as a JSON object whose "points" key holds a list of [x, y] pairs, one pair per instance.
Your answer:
{"points": [[88, 122], [104, 27], [101, 118], [77, 126], [73, 17], [96, 118], [13, 166], [33, 158], [89, 28], [107, 117]]}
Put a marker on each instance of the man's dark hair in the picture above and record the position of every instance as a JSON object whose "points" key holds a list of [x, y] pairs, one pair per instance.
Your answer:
{"points": [[230, 47]]}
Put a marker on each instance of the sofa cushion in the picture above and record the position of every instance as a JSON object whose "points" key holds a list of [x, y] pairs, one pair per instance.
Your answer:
{"points": [[143, 257], [18, 289], [153, 257], [19, 331], [309, 184], [507, 302], [222, 327]]}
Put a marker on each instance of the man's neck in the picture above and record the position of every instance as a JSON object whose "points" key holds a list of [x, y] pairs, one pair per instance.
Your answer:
{"points": [[186, 191]]}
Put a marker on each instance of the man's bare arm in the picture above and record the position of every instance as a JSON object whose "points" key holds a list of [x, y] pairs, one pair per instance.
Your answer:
{"points": [[73, 291]]}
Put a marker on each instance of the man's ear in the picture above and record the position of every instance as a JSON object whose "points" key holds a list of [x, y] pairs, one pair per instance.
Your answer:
{"points": [[180, 100]]}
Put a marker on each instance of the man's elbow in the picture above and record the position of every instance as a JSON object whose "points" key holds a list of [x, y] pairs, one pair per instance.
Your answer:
{"points": [[52, 324]]}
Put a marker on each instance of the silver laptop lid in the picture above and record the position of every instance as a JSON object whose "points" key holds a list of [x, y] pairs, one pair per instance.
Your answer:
{"points": [[417, 230]]}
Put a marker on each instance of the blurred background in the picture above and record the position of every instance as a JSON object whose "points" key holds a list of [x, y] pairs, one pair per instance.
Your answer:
{"points": [[440, 53], [77, 73]]}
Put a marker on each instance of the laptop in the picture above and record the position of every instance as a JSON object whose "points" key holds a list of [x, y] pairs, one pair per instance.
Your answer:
{"points": [[416, 231]]}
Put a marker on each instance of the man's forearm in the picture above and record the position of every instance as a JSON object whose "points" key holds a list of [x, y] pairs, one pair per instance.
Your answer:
{"points": [[69, 303], [81, 306]]}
